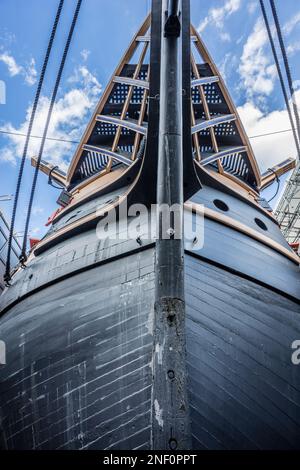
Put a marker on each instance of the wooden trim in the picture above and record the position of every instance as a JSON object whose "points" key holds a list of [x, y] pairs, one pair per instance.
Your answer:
{"points": [[239, 189], [109, 153], [200, 126], [132, 82], [190, 206], [195, 136], [134, 126], [205, 107], [204, 81], [129, 52], [47, 168], [143, 38], [242, 228], [147, 38], [238, 186], [129, 96], [207, 58], [143, 108], [82, 221], [277, 170], [91, 186], [224, 153]]}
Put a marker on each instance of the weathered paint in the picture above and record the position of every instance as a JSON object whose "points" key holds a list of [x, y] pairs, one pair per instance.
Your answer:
{"points": [[78, 325]]}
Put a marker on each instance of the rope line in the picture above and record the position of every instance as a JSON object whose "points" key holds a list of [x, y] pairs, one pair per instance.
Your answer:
{"points": [[53, 98], [286, 64], [20, 134], [278, 185], [78, 141], [24, 155], [285, 95]]}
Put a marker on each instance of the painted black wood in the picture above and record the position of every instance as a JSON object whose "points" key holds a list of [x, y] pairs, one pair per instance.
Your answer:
{"points": [[240, 211], [78, 324], [78, 371], [244, 389], [60, 389], [79, 361]]}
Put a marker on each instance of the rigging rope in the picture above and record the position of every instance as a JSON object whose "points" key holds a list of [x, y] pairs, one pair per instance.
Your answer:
{"points": [[57, 82], [24, 155], [286, 64], [278, 185], [280, 77], [2, 131]]}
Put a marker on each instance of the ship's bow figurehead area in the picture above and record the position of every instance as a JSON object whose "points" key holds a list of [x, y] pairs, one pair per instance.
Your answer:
{"points": [[79, 322]]}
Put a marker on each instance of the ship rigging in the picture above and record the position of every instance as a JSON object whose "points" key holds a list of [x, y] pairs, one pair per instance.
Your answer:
{"points": [[155, 342]]}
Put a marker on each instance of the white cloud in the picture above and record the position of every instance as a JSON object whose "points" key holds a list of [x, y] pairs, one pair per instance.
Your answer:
{"points": [[292, 23], [28, 71], [251, 7], [12, 66], [35, 230], [85, 54], [69, 116], [227, 65], [217, 16], [257, 71], [225, 36], [36, 210], [272, 149], [292, 48]]}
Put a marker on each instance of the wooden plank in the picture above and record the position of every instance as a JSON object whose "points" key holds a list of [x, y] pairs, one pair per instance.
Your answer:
{"points": [[147, 39], [104, 97], [206, 109], [224, 153], [66, 372], [109, 153], [212, 122], [204, 81], [277, 170], [48, 168], [207, 58], [243, 390], [132, 82], [242, 228], [122, 123]]}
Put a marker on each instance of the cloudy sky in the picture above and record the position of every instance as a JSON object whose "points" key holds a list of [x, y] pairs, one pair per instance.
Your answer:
{"points": [[233, 31]]}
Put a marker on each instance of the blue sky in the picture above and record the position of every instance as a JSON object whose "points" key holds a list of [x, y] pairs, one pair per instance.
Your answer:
{"points": [[232, 30]]}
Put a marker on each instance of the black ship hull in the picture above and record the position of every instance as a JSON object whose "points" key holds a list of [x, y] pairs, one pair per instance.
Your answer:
{"points": [[78, 325], [89, 346]]}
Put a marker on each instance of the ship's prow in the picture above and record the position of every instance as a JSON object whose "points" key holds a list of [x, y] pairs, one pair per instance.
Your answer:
{"points": [[100, 354]]}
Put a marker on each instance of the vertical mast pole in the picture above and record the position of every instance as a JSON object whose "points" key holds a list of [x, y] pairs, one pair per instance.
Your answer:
{"points": [[170, 417]]}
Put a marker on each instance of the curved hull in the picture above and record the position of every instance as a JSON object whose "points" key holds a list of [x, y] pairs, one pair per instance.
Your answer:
{"points": [[80, 345]]}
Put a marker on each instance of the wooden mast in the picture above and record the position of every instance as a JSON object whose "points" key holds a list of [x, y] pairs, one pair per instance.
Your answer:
{"points": [[170, 416]]}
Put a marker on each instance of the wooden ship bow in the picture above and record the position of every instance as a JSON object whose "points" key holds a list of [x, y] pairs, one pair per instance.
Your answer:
{"points": [[174, 338]]}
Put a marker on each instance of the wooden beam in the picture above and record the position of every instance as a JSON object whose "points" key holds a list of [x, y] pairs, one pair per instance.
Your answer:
{"points": [[104, 97], [206, 108], [213, 122], [147, 39], [47, 168], [109, 153], [277, 170], [134, 126], [190, 206], [129, 96], [132, 82], [224, 153], [203, 52], [137, 137], [242, 228], [204, 81]]}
